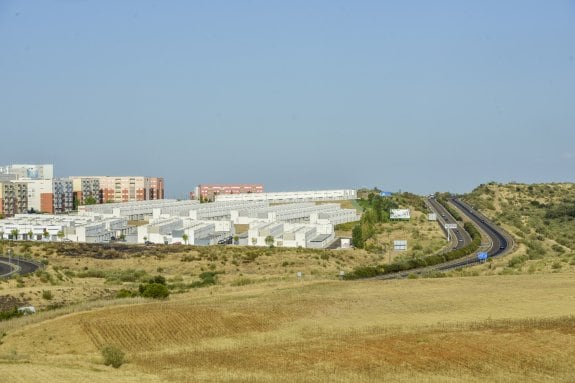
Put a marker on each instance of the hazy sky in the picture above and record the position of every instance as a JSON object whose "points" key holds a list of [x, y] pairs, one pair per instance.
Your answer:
{"points": [[411, 95]]}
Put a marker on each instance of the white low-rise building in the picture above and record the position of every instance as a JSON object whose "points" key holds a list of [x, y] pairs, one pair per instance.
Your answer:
{"points": [[288, 197], [290, 234], [44, 227], [295, 224]]}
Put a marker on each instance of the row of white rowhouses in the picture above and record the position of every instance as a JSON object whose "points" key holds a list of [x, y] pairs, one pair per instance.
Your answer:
{"points": [[251, 223]]}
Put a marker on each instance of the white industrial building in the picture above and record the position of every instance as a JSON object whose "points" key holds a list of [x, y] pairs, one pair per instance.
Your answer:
{"points": [[296, 224], [172, 230], [141, 210], [290, 234], [287, 197], [296, 212], [44, 227]]}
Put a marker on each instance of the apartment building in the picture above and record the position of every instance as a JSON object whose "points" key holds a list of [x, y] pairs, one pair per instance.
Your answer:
{"points": [[208, 192], [35, 189], [63, 196], [86, 189], [125, 188], [13, 198], [52, 196]]}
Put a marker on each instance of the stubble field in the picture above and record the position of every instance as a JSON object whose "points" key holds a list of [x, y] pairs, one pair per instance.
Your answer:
{"points": [[497, 328]]}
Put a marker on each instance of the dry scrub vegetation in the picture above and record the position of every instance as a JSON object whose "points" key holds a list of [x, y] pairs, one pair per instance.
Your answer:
{"points": [[540, 217], [499, 328]]}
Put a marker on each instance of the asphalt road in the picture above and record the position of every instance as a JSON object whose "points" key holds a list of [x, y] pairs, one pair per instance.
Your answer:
{"points": [[443, 217], [497, 236], [499, 242], [26, 266]]}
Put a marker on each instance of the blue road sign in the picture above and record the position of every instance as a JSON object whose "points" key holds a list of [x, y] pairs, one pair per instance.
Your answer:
{"points": [[482, 256]]}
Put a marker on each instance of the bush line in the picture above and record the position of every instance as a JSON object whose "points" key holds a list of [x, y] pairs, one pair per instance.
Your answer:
{"points": [[432, 260]]}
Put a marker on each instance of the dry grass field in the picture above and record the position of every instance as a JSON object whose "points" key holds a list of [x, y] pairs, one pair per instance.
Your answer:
{"points": [[498, 328]]}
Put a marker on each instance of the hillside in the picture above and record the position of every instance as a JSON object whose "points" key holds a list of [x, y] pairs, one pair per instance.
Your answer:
{"points": [[540, 217], [510, 319]]}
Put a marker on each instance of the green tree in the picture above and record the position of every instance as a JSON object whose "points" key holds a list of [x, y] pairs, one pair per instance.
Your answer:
{"points": [[185, 237], [60, 235], [30, 235], [357, 237], [14, 233], [269, 240], [90, 200], [45, 234]]}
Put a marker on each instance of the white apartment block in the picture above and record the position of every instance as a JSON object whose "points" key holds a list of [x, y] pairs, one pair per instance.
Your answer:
{"points": [[29, 171]]}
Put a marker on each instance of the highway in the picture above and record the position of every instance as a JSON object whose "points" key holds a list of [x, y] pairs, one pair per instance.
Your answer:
{"points": [[499, 242], [443, 217]]}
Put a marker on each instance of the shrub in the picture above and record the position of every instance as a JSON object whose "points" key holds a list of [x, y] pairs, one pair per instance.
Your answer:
{"points": [[113, 356], [13, 313], [47, 294], [209, 277], [154, 290], [91, 274], [517, 260], [69, 273], [242, 282], [124, 293], [158, 279], [556, 265], [363, 272]]}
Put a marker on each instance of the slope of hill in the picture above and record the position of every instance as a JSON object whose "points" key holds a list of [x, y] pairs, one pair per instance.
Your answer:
{"points": [[541, 218]]}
